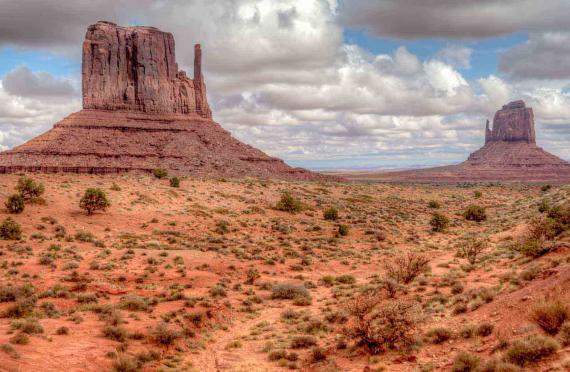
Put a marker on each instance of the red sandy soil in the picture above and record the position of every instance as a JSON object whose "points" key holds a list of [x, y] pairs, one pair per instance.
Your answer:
{"points": [[150, 223]]}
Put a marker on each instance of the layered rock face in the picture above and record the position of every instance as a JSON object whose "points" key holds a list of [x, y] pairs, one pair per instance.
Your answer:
{"points": [[134, 68], [513, 123], [510, 153], [142, 113]]}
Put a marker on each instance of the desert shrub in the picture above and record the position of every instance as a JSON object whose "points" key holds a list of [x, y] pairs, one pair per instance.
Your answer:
{"points": [[543, 206], [468, 331], [175, 182], [471, 249], [287, 291], [115, 333], [497, 365], [303, 341], [345, 279], [94, 199], [434, 204], [550, 315], [532, 247], [125, 363], [160, 173], [30, 326], [10, 230], [20, 339], [465, 362], [475, 213], [162, 335], [531, 350], [406, 267], [438, 335], [29, 189], [565, 334], [86, 298], [330, 214], [222, 227], [23, 307], [252, 275], [15, 204], [343, 230], [390, 285], [62, 331], [485, 329], [288, 203], [439, 222], [133, 302], [12, 293], [542, 227], [380, 326], [477, 194], [318, 355]]}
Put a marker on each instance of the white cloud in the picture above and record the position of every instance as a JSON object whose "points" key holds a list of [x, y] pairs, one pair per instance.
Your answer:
{"points": [[281, 78], [456, 56]]}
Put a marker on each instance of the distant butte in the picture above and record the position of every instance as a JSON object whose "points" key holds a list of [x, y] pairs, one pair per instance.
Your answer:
{"points": [[140, 112], [510, 154]]}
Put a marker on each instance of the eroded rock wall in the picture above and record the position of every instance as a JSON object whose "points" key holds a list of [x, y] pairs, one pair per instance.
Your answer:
{"points": [[134, 68]]}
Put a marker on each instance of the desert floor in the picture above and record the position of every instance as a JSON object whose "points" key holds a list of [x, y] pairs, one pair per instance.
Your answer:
{"points": [[187, 278]]}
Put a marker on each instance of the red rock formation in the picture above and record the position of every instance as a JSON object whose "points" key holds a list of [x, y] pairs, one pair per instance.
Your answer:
{"points": [[513, 123], [142, 113], [510, 153], [134, 68]]}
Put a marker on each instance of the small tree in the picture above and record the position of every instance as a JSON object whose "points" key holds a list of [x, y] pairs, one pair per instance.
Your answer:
{"points": [[475, 213], [175, 182], [15, 204], [439, 222], [93, 200], [10, 230], [29, 189], [160, 173]]}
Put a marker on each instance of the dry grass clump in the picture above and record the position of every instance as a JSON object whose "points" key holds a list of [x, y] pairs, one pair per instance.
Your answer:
{"points": [[531, 350], [465, 362], [550, 314], [288, 291]]}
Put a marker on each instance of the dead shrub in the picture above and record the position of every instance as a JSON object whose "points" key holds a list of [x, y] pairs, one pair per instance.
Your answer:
{"points": [[382, 325], [406, 267]]}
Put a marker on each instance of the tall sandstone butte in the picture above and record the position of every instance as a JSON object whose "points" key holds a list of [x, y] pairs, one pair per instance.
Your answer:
{"points": [[510, 153], [140, 112]]}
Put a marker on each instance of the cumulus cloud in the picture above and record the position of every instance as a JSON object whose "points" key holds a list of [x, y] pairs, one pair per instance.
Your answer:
{"points": [[543, 56], [281, 78], [410, 19], [456, 56], [25, 83]]}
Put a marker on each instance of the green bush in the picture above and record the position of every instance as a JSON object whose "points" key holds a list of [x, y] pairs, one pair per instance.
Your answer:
{"points": [[465, 362], [10, 230], [434, 204], [175, 182], [439, 222], [160, 173], [343, 230], [94, 199], [288, 203], [531, 350], [532, 247], [331, 214], [15, 204], [475, 213], [29, 189]]}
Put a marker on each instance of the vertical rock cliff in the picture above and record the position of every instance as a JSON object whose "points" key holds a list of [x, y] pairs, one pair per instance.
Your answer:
{"points": [[134, 68]]}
